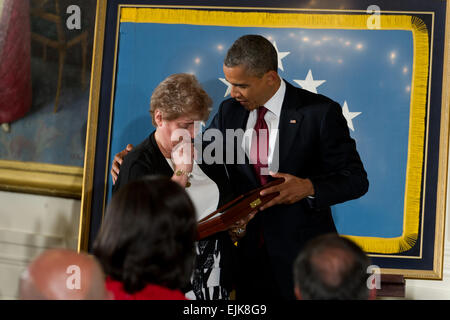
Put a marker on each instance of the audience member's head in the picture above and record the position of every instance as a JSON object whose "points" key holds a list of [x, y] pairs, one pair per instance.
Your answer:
{"points": [[60, 274], [331, 267], [148, 234]]}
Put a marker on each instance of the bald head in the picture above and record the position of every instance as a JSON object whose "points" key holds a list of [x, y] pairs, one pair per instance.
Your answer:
{"points": [[61, 274], [331, 267]]}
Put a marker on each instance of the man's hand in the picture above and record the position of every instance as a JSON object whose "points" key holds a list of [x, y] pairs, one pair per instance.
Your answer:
{"points": [[118, 159], [293, 189]]}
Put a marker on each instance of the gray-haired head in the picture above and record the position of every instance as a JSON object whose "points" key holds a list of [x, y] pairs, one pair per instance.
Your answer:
{"points": [[178, 95], [331, 267], [254, 52]]}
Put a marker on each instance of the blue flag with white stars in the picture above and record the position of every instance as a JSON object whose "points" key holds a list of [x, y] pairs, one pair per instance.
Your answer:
{"points": [[369, 73]]}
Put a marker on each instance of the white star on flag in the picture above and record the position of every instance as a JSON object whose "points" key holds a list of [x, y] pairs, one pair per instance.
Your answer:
{"points": [[228, 86], [309, 83], [281, 56], [349, 115]]}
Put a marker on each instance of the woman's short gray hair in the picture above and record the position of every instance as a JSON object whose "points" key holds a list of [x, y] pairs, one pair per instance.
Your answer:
{"points": [[180, 94]]}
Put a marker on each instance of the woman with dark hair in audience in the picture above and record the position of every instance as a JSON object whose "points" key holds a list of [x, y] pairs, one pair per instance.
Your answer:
{"points": [[146, 242], [177, 104]]}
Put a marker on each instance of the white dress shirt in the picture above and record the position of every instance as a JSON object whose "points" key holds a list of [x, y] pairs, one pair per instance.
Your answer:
{"points": [[272, 118]]}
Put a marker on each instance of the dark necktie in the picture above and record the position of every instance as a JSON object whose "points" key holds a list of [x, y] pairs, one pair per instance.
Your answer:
{"points": [[259, 149]]}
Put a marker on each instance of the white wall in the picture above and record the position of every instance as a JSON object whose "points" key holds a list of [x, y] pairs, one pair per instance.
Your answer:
{"points": [[29, 224], [434, 289]]}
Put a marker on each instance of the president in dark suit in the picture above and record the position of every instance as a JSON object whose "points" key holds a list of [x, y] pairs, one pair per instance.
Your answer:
{"points": [[307, 143]]}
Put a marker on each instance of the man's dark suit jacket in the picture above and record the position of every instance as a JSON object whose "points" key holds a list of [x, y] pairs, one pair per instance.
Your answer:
{"points": [[314, 143]]}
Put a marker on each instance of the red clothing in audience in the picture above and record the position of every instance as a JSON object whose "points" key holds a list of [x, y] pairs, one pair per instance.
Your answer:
{"points": [[15, 60], [150, 292]]}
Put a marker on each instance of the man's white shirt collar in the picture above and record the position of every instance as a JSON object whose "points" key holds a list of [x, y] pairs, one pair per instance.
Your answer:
{"points": [[272, 119], [274, 104]]}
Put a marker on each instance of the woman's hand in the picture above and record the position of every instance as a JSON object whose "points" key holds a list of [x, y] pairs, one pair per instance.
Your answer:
{"points": [[183, 156], [183, 160]]}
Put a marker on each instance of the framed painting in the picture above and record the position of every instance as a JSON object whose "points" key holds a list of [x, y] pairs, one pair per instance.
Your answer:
{"points": [[385, 63], [46, 54]]}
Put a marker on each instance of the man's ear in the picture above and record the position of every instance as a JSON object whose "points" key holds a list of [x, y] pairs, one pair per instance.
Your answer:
{"points": [[271, 77]]}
